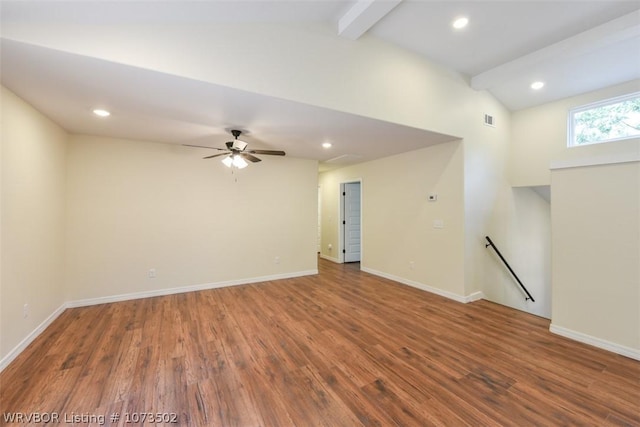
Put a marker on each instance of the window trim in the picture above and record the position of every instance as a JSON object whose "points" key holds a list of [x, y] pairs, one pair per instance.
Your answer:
{"points": [[593, 105]]}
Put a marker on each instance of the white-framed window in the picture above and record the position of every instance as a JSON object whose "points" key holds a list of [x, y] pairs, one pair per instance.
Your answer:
{"points": [[612, 119]]}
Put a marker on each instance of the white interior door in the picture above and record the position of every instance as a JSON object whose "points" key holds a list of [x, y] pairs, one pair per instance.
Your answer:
{"points": [[351, 222]]}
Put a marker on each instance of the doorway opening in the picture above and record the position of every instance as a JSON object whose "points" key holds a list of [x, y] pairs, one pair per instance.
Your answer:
{"points": [[351, 222]]}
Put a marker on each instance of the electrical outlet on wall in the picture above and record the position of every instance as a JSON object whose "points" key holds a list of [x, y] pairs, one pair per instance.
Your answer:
{"points": [[152, 273], [25, 311]]}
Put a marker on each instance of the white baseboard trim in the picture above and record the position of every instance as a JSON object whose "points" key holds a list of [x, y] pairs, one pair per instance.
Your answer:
{"points": [[460, 298], [170, 291], [6, 360], [330, 258], [475, 296], [622, 350]]}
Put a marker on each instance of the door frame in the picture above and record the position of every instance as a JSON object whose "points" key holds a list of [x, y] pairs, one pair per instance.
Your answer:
{"points": [[341, 225]]}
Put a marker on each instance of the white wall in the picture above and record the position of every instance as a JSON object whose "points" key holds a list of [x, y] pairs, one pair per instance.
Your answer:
{"points": [[593, 299], [33, 215], [84, 218], [400, 218], [540, 138], [524, 239], [134, 206], [367, 77], [508, 216], [397, 219], [372, 79], [596, 253]]}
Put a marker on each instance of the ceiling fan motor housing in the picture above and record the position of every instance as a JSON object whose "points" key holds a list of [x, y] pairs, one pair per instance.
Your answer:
{"points": [[239, 145]]}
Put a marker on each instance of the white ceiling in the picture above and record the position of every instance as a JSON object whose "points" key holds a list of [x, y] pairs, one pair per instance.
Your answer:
{"points": [[498, 31], [574, 46]]}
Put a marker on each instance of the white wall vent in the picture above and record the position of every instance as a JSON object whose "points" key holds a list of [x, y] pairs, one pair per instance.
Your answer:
{"points": [[489, 120]]}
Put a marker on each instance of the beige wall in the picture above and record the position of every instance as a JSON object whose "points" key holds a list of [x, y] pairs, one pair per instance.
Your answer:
{"points": [[596, 248], [85, 218], [522, 232], [582, 203], [398, 224], [33, 212], [368, 77], [516, 221], [397, 219], [539, 138], [134, 206]]}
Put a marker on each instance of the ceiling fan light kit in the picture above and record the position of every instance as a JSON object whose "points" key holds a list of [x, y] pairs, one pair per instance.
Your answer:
{"points": [[235, 161], [237, 153]]}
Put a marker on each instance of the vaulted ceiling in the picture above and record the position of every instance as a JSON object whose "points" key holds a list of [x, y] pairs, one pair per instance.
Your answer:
{"points": [[571, 46]]}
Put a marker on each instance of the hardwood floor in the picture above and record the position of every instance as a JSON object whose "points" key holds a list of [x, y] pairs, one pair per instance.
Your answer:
{"points": [[343, 348]]}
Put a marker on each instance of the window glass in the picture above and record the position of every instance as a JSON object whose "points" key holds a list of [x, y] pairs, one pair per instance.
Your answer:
{"points": [[604, 121]]}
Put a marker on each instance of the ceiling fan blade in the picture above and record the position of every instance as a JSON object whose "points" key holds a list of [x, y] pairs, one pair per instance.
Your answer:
{"points": [[217, 155], [202, 146], [251, 158], [269, 152]]}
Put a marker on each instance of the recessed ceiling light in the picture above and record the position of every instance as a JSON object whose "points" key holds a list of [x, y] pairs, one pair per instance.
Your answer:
{"points": [[101, 112], [537, 85], [460, 23], [326, 145]]}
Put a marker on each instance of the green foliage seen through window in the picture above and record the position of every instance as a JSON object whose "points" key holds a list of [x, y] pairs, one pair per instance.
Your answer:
{"points": [[618, 120]]}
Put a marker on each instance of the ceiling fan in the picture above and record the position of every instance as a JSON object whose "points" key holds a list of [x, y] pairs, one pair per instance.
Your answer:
{"points": [[237, 153]]}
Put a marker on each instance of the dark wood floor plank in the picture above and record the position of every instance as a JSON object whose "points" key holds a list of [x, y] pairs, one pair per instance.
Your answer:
{"points": [[364, 409], [342, 348]]}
